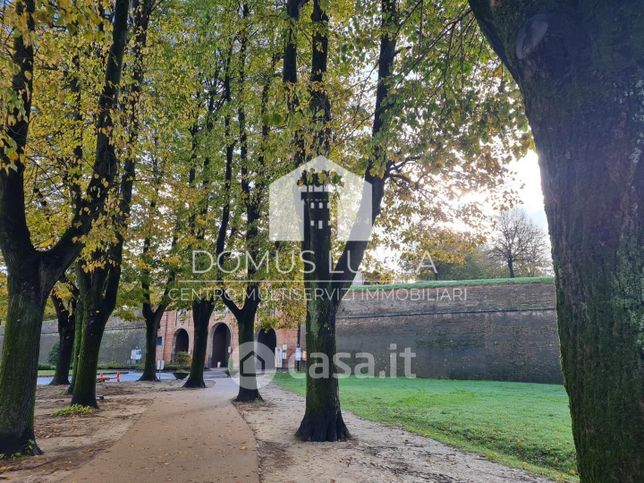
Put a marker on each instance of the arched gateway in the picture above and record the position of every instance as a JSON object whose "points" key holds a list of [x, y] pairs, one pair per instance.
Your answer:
{"points": [[181, 341], [220, 344]]}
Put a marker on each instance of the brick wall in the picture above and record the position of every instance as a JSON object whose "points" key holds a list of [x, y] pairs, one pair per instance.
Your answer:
{"points": [[498, 332], [119, 339], [492, 331]]}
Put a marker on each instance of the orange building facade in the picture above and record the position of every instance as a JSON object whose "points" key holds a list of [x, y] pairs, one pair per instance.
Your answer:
{"points": [[176, 334]]}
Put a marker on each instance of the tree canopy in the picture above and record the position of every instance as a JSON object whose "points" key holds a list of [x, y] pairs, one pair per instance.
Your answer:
{"points": [[136, 133]]}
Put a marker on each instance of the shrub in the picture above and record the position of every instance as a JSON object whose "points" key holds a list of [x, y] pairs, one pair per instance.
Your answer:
{"points": [[182, 360], [53, 354]]}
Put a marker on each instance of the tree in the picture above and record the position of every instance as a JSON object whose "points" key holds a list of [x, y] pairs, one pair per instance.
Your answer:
{"points": [[152, 313], [476, 265], [323, 417], [255, 157], [163, 201], [434, 254], [432, 120], [203, 305], [212, 114], [99, 274], [32, 272], [580, 66], [64, 298], [237, 98], [519, 244]]}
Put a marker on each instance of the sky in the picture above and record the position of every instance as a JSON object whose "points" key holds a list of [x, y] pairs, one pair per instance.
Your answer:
{"points": [[528, 184]]}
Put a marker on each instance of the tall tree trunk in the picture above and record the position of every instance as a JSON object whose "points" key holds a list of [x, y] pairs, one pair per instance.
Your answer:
{"points": [[580, 68], [84, 392], [323, 418], [17, 374], [201, 312], [19, 364], [99, 286], [151, 328], [63, 363], [97, 296], [153, 316], [202, 308], [78, 338], [511, 267], [248, 390], [95, 316], [66, 329]]}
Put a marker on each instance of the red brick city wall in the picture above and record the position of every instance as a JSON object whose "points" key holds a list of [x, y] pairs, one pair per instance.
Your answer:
{"points": [[487, 331]]}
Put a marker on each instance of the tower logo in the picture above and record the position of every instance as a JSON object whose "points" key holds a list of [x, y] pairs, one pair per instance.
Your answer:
{"points": [[289, 194]]}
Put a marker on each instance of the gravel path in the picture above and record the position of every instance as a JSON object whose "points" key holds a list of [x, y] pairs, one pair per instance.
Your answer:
{"points": [[376, 452]]}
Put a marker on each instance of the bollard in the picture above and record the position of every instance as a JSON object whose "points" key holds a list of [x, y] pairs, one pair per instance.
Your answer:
{"points": [[118, 376]]}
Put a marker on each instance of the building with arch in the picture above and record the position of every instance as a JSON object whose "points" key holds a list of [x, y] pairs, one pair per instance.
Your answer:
{"points": [[177, 326]]}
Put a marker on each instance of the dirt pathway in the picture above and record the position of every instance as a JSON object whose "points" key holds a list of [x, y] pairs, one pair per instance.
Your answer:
{"points": [[186, 436], [376, 452]]}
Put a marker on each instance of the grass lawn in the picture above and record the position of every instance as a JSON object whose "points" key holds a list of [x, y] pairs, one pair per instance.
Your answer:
{"points": [[518, 424], [46, 372]]}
